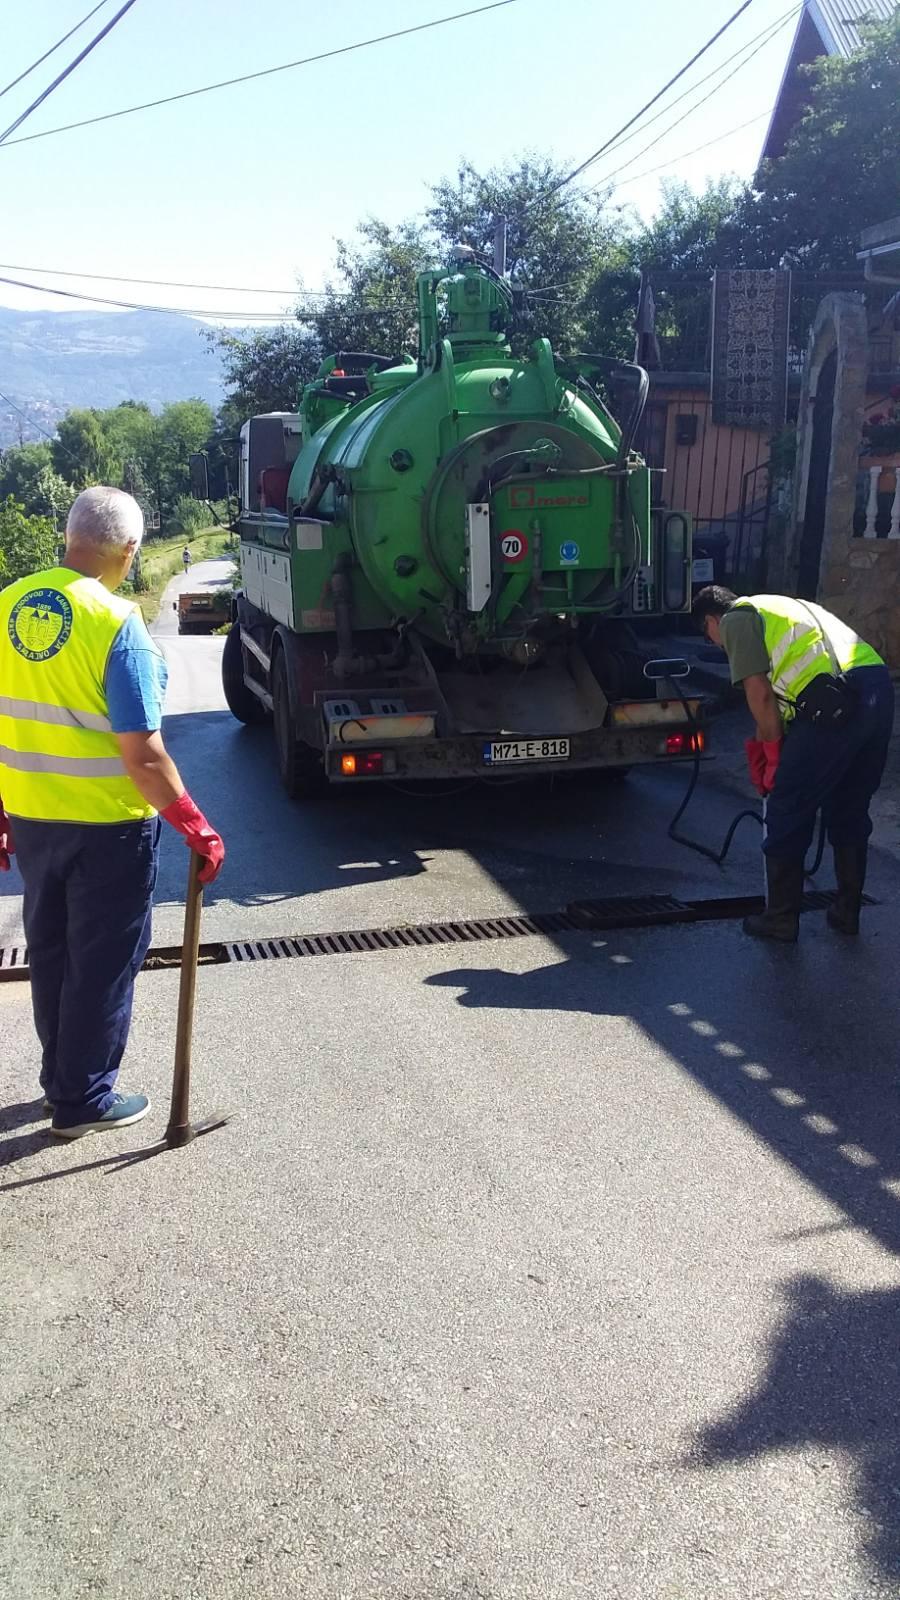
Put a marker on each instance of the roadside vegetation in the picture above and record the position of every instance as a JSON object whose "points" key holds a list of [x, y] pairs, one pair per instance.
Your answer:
{"points": [[161, 561]]}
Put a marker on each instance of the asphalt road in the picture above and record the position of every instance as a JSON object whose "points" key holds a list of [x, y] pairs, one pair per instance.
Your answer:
{"points": [[546, 1268]]}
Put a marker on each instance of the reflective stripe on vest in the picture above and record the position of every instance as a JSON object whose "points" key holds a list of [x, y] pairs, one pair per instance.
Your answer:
{"points": [[795, 635], [59, 759]]}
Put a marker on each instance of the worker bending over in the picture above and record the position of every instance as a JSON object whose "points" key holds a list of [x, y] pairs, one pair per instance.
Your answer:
{"points": [[823, 703], [83, 773]]}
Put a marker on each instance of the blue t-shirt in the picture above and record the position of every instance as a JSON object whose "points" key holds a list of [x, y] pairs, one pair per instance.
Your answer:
{"points": [[136, 678]]}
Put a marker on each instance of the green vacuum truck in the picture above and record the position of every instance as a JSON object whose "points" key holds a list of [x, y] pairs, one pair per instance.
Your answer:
{"points": [[445, 562]]}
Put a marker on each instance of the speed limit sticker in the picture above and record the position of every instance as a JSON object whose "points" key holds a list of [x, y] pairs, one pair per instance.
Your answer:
{"points": [[514, 546]]}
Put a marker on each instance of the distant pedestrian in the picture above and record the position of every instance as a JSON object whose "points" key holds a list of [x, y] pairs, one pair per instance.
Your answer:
{"points": [[823, 703], [83, 773], [187, 558]]}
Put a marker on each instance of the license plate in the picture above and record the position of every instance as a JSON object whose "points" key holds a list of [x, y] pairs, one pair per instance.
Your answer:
{"points": [[500, 751]]}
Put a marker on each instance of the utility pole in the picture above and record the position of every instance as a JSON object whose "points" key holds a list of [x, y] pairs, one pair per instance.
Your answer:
{"points": [[500, 245]]}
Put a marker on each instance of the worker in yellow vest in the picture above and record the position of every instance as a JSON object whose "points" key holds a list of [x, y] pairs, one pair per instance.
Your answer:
{"points": [[83, 775], [823, 703]]}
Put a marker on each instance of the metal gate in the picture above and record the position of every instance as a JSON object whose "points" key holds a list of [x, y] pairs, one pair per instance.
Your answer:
{"points": [[721, 475]]}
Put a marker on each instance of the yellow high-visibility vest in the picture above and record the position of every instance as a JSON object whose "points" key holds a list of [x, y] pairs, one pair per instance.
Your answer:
{"points": [[59, 759], [795, 634]]}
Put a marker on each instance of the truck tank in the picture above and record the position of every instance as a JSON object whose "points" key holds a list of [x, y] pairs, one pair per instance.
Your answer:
{"points": [[445, 555]]}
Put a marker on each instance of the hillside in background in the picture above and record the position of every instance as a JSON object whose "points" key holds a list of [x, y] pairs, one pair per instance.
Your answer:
{"points": [[50, 361]]}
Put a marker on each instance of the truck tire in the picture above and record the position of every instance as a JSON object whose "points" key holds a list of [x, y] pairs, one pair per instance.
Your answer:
{"points": [[241, 701], [299, 765]]}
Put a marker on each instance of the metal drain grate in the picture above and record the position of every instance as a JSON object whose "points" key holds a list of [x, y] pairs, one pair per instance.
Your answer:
{"points": [[647, 911], [364, 940]]}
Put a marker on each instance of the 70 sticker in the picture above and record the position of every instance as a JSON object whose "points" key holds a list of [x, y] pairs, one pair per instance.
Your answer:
{"points": [[514, 546]]}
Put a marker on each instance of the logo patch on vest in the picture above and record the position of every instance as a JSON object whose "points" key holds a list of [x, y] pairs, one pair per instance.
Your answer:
{"points": [[40, 623]]}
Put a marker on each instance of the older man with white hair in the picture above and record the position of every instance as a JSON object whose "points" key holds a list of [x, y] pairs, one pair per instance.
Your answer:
{"points": [[83, 774]]}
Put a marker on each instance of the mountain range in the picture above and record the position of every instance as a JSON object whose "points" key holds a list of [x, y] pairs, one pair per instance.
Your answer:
{"points": [[51, 361]]}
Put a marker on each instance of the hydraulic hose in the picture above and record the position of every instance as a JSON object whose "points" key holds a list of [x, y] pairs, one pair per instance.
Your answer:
{"points": [[719, 856]]}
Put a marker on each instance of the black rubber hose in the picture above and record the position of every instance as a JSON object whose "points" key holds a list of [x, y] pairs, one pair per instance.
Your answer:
{"points": [[718, 856]]}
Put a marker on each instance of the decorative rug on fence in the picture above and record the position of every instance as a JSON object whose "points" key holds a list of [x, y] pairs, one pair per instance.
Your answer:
{"points": [[750, 348]]}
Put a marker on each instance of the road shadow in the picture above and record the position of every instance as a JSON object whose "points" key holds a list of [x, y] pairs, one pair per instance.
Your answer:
{"points": [[776, 1035], [832, 1382], [545, 840], [799, 1045]]}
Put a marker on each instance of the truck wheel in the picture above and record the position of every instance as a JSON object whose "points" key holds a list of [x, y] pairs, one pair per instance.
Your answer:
{"points": [[299, 765], [241, 701]]}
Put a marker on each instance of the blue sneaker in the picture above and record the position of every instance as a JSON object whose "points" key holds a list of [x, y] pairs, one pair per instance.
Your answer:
{"points": [[125, 1109]]}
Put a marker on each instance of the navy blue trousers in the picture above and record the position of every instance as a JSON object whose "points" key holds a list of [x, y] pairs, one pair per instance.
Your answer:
{"points": [[88, 904], [835, 770]]}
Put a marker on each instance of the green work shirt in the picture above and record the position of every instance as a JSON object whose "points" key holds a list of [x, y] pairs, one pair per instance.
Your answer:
{"points": [[744, 642]]}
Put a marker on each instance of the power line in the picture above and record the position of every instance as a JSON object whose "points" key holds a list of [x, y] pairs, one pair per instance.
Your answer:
{"points": [[267, 72], [155, 283], [697, 104], [328, 295], [395, 309], [62, 76], [686, 154], [31, 422], [53, 48], [714, 73], [589, 160]]}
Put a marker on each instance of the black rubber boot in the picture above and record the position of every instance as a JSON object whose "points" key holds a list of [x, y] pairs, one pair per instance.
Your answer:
{"points": [[850, 871], [781, 918]]}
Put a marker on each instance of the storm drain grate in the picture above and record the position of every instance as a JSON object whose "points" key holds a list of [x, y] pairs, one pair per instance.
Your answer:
{"points": [[363, 940], [647, 911]]}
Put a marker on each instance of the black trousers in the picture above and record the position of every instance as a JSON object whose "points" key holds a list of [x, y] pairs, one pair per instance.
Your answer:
{"points": [[836, 770], [88, 904]]}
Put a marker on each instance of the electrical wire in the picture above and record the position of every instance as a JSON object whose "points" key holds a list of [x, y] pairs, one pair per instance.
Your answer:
{"points": [[32, 424], [793, 11], [41, 59], [158, 283], [196, 311], [697, 104], [686, 154], [328, 295], [66, 72], [614, 138], [267, 72]]}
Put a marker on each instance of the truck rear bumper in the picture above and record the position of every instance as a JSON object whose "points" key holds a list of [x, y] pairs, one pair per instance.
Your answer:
{"points": [[437, 758]]}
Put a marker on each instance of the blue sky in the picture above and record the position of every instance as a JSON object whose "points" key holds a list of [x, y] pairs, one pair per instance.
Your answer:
{"points": [[252, 184]]}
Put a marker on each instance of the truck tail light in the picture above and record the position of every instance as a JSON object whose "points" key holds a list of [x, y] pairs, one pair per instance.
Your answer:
{"points": [[685, 744], [365, 764]]}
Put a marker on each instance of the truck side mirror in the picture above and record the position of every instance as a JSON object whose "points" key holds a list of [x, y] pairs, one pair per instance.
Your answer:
{"points": [[199, 468]]}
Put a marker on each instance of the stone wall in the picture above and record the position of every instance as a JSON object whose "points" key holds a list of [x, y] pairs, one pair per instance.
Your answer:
{"points": [[861, 585], [859, 579]]}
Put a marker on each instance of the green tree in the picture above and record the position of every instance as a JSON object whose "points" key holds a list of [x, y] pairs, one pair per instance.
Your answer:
{"points": [[840, 172], [372, 304], [83, 452], [181, 428], [27, 544], [566, 251], [264, 371], [26, 473], [690, 232]]}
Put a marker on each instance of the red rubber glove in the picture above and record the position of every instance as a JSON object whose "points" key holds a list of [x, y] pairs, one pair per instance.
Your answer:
{"points": [[7, 847], [772, 749], [756, 761], [184, 816]]}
